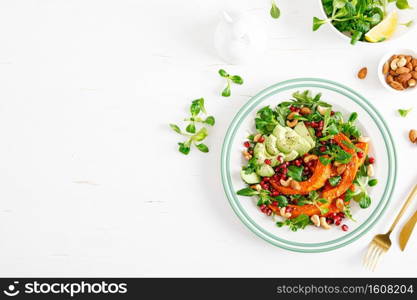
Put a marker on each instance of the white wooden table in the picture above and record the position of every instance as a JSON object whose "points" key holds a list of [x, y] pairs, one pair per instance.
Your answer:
{"points": [[91, 180]]}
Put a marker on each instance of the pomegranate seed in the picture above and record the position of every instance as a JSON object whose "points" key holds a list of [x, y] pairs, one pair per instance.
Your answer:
{"points": [[261, 139], [360, 154], [323, 149], [371, 160], [269, 212], [266, 179], [321, 123], [263, 206], [288, 209], [314, 124], [280, 159], [332, 113], [297, 163], [323, 142], [284, 176], [341, 214], [274, 203], [267, 161], [250, 152], [292, 108], [345, 227], [246, 144], [275, 193], [307, 123], [329, 220], [319, 134]]}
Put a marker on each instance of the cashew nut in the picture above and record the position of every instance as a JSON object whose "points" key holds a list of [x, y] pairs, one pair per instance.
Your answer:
{"points": [[283, 213], [341, 169], [316, 220], [246, 155], [292, 115], [295, 185], [323, 223], [256, 187], [401, 62], [340, 204], [394, 64], [305, 110], [337, 164], [285, 182], [322, 110], [364, 139], [370, 171], [292, 123], [257, 137], [310, 157]]}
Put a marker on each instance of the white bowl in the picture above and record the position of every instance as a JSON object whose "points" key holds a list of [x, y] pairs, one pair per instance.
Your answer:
{"points": [[384, 59], [404, 16]]}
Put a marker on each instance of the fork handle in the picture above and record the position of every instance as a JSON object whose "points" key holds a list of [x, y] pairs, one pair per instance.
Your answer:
{"points": [[410, 197]]}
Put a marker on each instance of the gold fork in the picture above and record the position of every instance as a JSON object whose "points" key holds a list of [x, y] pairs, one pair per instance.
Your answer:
{"points": [[381, 242]]}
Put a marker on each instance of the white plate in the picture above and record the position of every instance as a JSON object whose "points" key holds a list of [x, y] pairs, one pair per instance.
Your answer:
{"points": [[311, 239], [404, 16]]}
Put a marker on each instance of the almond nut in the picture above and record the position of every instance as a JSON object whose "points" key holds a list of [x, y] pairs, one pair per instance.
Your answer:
{"points": [[403, 77], [408, 58], [413, 136], [390, 79], [362, 73], [396, 86], [305, 111], [414, 74], [412, 83], [402, 70], [414, 62], [409, 66], [385, 68], [392, 73]]}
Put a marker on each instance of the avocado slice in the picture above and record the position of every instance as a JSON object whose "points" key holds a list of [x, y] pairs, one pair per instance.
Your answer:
{"points": [[271, 145], [265, 170], [251, 178], [291, 156], [302, 130], [288, 140]]}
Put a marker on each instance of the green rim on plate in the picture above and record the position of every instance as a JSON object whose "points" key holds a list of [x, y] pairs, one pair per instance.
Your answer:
{"points": [[308, 83]]}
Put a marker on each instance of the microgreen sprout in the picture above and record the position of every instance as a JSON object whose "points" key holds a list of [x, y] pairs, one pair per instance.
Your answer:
{"points": [[229, 78], [193, 135]]}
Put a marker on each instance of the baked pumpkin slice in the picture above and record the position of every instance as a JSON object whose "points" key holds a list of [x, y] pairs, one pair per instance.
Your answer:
{"points": [[320, 175], [330, 193]]}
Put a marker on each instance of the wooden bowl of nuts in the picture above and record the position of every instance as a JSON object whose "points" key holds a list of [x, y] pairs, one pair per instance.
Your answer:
{"points": [[397, 70]]}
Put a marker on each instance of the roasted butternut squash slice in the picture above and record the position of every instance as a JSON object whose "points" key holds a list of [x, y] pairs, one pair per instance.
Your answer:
{"points": [[316, 181]]}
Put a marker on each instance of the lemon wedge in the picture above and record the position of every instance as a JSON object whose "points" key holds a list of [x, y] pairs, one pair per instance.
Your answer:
{"points": [[383, 30]]}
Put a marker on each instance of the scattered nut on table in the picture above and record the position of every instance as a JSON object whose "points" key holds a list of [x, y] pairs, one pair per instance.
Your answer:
{"points": [[413, 136], [362, 73]]}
